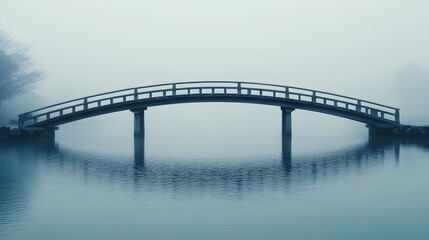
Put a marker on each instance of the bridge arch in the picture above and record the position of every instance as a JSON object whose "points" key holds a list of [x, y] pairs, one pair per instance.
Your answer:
{"points": [[140, 98]]}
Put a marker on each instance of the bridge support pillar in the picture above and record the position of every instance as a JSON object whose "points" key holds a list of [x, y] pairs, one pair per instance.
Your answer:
{"points": [[139, 134], [139, 122], [287, 121], [287, 153], [379, 130]]}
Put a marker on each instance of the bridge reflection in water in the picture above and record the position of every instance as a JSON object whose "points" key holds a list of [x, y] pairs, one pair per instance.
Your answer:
{"points": [[139, 151], [303, 168], [291, 169], [246, 177]]}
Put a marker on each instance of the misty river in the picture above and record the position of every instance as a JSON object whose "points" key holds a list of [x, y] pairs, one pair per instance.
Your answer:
{"points": [[217, 183]]}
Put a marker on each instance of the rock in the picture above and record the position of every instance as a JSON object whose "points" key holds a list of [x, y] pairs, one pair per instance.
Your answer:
{"points": [[15, 132], [4, 131], [14, 122], [408, 131]]}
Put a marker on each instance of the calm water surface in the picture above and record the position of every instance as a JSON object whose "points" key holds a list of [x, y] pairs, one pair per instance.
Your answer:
{"points": [[341, 186]]}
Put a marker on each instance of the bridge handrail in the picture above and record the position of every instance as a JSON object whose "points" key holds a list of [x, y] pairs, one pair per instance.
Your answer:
{"points": [[194, 88], [195, 82], [232, 85]]}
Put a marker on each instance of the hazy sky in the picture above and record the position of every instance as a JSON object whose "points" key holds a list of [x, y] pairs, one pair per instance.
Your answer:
{"points": [[348, 47]]}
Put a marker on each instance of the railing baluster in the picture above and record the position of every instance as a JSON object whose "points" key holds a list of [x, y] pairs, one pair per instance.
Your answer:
{"points": [[286, 92], [359, 106], [48, 116], [61, 112], [124, 99], [213, 90], [21, 119], [85, 103], [150, 94], [99, 103], [239, 88], [174, 89], [74, 109], [136, 94], [111, 100], [189, 91], [313, 97], [397, 116]]}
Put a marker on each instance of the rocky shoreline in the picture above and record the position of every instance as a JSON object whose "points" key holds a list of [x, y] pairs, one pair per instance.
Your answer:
{"points": [[17, 133], [411, 131]]}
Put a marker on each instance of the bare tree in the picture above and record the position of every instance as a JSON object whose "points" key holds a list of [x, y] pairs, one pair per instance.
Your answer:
{"points": [[17, 72]]}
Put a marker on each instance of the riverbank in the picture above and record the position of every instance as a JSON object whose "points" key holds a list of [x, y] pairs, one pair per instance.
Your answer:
{"points": [[17, 133], [408, 131]]}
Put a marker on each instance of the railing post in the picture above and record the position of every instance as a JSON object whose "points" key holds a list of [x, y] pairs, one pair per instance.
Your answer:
{"points": [[239, 88], [174, 89], [359, 106], [374, 112], [85, 103], [287, 92], [136, 94], [397, 119], [21, 120], [313, 98]]}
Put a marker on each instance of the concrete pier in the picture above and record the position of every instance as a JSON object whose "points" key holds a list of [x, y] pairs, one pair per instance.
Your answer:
{"points": [[287, 153], [139, 136], [139, 152], [139, 129], [287, 121]]}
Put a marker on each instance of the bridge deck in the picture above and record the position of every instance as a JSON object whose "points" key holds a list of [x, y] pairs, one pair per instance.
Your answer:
{"points": [[211, 91]]}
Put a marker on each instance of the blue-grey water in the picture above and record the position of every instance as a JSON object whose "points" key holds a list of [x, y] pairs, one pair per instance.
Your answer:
{"points": [[336, 184]]}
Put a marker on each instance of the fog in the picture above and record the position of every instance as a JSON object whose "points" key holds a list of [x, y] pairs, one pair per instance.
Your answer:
{"points": [[375, 50]]}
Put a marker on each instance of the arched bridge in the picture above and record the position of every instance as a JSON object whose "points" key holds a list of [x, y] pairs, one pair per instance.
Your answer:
{"points": [[139, 98]]}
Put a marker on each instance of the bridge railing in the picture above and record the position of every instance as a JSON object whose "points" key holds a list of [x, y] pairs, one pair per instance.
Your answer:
{"points": [[260, 90]]}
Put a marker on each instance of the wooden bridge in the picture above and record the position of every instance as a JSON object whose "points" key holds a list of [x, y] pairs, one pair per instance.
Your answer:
{"points": [[140, 98]]}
